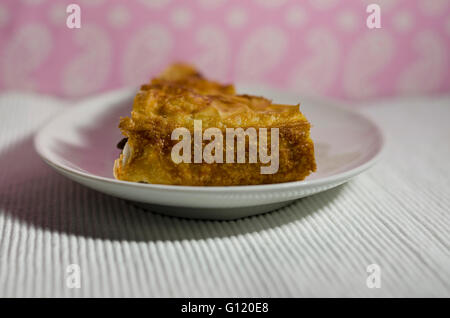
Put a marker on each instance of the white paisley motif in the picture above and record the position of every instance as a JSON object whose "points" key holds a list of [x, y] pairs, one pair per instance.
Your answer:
{"points": [[181, 17], [154, 4], [236, 17], [347, 20], [91, 2], [323, 4], [368, 57], [385, 5], [147, 51], [57, 14], [88, 71], [270, 3], [447, 26], [403, 21], [296, 16], [215, 53], [4, 16], [433, 7], [426, 73], [210, 4], [315, 74], [28, 48], [32, 2], [119, 16], [261, 53]]}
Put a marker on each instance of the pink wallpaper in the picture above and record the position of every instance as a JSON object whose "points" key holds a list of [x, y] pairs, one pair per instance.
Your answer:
{"points": [[312, 46]]}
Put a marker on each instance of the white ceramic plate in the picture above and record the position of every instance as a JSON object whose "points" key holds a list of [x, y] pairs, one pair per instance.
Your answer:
{"points": [[81, 143]]}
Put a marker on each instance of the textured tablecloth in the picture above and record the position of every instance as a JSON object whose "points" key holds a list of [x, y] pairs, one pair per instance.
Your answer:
{"points": [[396, 215]]}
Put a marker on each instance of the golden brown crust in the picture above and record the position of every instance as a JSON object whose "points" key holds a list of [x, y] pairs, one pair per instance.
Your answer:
{"points": [[181, 95]]}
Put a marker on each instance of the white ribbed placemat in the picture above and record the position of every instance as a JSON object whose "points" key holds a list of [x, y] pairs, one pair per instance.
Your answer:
{"points": [[396, 215]]}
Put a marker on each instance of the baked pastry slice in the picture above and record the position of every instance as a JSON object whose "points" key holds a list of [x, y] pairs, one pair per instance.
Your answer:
{"points": [[275, 147]]}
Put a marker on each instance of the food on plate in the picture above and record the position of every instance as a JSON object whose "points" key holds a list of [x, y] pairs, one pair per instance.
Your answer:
{"points": [[181, 128]]}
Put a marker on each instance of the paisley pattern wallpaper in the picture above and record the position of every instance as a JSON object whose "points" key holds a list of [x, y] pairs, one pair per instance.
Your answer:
{"points": [[314, 47]]}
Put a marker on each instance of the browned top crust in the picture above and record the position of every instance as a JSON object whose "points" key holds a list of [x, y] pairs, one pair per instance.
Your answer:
{"points": [[181, 95]]}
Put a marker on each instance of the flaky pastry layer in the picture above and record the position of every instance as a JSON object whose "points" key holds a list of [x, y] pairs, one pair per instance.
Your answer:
{"points": [[181, 95]]}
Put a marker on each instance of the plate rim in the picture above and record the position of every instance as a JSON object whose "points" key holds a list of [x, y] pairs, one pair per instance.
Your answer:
{"points": [[122, 93]]}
